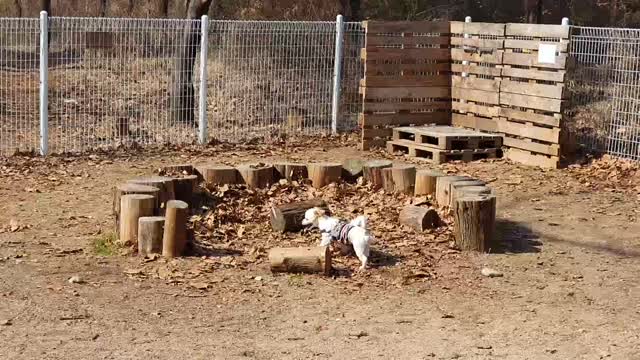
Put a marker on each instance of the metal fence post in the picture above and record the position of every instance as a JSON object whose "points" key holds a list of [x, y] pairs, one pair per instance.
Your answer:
{"points": [[44, 83], [204, 42], [337, 71]]}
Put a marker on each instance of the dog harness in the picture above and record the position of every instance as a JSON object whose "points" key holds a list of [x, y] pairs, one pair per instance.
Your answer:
{"points": [[340, 232]]}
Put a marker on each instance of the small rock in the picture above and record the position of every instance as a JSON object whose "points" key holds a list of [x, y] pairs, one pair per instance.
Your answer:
{"points": [[447, 316], [484, 347], [488, 272], [258, 278], [360, 334], [6, 322], [76, 279]]}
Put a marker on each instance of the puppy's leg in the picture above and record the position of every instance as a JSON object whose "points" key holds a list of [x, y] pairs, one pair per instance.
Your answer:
{"points": [[326, 239], [362, 252]]}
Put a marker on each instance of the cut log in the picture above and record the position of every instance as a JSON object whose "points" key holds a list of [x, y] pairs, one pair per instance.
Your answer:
{"points": [[352, 169], [220, 175], [164, 184], [288, 217], [387, 180], [257, 176], [150, 232], [291, 171], [132, 208], [301, 260], [181, 169], [472, 190], [456, 185], [185, 187], [404, 179], [174, 238], [419, 218], [323, 174], [443, 185], [126, 189], [474, 222], [426, 181], [372, 172]]}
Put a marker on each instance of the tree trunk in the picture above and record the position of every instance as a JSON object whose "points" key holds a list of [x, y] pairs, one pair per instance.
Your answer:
{"points": [[291, 171], [150, 231], [352, 169], [323, 174], [533, 11], [426, 181], [182, 95], [301, 260], [163, 183], [126, 189], [185, 187], [474, 222], [257, 176], [419, 218], [288, 217], [132, 208], [456, 185], [443, 186], [220, 175], [372, 172], [174, 238]]}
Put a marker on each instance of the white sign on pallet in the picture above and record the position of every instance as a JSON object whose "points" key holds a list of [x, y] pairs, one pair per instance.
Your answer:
{"points": [[547, 53]]}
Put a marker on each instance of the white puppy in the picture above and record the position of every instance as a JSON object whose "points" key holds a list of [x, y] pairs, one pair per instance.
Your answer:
{"points": [[332, 229]]}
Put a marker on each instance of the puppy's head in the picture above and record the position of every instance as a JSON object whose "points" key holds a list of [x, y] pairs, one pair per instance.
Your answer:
{"points": [[312, 215]]}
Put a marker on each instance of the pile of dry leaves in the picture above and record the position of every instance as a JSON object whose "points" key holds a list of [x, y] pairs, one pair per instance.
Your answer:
{"points": [[609, 173]]}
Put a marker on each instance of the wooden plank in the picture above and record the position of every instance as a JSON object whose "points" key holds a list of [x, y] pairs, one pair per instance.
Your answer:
{"points": [[563, 46], [488, 111], [405, 106], [487, 97], [374, 41], [529, 116], [536, 30], [461, 55], [527, 158], [475, 83], [507, 127], [478, 43], [395, 81], [521, 59], [374, 68], [438, 118], [531, 102], [416, 27], [439, 156], [406, 93], [378, 54], [547, 149], [479, 70], [535, 74], [376, 133], [531, 89], [477, 28]]}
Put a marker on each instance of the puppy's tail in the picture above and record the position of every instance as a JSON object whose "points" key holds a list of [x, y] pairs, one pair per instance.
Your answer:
{"points": [[360, 221]]}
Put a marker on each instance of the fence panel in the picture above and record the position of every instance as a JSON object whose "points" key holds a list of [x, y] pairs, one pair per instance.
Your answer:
{"points": [[19, 85]]}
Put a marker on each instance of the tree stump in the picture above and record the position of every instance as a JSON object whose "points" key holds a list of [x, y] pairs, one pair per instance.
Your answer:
{"points": [[372, 172], [174, 238], [387, 180], [443, 186], [288, 217], [474, 222], [257, 176], [126, 189], [132, 208], [456, 185], [291, 171], [419, 218], [220, 175], [301, 260], [404, 179], [426, 181], [185, 187], [163, 183], [352, 169], [472, 190], [323, 174], [181, 169], [150, 232]]}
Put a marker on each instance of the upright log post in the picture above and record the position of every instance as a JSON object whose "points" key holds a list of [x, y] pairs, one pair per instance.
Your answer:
{"points": [[185, 187], [323, 174], [291, 171], [443, 186], [257, 176], [474, 222], [132, 208], [372, 172], [456, 185], [165, 186], [352, 169], [126, 189], [174, 237], [426, 181], [150, 232], [220, 175], [404, 179]]}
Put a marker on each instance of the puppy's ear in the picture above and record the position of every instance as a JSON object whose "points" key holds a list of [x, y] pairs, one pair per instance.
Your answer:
{"points": [[320, 212]]}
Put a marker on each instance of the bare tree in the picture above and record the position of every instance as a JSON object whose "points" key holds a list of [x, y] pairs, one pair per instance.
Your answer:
{"points": [[533, 11], [182, 97]]}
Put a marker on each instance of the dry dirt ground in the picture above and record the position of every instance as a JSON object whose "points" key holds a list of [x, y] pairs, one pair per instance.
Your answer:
{"points": [[570, 289]]}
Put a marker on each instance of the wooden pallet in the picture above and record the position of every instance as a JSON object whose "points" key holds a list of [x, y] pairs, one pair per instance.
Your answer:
{"points": [[439, 156], [448, 137]]}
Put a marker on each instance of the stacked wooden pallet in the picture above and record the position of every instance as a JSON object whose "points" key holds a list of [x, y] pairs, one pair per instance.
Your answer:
{"points": [[407, 77], [440, 144]]}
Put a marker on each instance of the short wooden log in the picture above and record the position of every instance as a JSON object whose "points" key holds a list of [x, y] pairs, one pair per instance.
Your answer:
{"points": [[126, 189], [323, 174], [291, 171], [132, 208], [456, 185], [174, 239], [404, 179], [443, 185], [372, 172], [387, 180], [426, 181], [473, 190], [257, 176], [178, 169], [288, 217], [419, 218], [309, 260], [185, 187], [474, 222], [164, 184], [352, 169], [220, 175], [150, 232]]}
